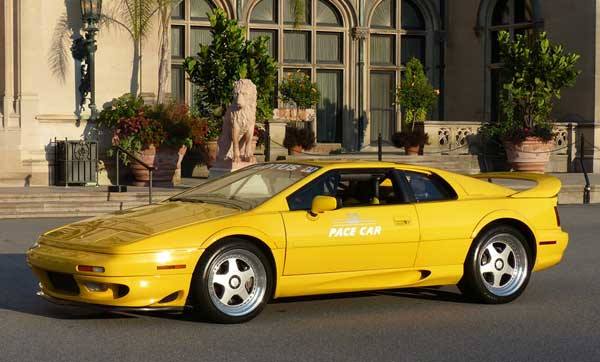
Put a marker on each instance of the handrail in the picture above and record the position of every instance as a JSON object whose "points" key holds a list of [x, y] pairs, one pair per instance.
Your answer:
{"points": [[144, 164], [587, 188]]}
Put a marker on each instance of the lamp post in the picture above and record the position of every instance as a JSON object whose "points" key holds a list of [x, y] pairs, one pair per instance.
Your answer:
{"points": [[91, 11]]}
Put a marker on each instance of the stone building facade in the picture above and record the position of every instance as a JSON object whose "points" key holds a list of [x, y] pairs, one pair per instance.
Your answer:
{"points": [[354, 50]]}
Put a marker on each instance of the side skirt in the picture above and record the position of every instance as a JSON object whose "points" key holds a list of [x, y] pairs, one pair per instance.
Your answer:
{"points": [[314, 284]]}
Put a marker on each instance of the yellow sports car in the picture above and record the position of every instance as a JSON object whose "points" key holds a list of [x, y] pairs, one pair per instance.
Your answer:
{"points": [[276, 230]]}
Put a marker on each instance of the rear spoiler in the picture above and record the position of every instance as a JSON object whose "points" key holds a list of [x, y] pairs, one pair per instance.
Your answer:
{"points": [[546, 186]]}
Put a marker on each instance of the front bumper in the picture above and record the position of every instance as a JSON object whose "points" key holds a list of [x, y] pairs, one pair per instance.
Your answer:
{"points": [[129, 281], [110, 308]]}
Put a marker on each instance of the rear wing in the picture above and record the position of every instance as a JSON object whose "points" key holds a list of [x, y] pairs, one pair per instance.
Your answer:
{"points": [[546, 186]]}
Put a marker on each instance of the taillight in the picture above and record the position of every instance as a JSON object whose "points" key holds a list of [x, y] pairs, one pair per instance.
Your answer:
{"points": [[557, 216]]}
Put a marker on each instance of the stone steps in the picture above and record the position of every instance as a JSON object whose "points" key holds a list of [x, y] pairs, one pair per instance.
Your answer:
{"points": [[57, 202]]}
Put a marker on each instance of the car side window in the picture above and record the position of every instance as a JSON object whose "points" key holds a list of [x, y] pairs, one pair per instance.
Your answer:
{"points": [[326, 185], [368, 189], [429, 187], [352, 188]]}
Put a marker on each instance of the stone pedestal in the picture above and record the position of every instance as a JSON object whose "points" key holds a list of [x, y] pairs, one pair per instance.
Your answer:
{"points": [[277, 135], [226, 167]]}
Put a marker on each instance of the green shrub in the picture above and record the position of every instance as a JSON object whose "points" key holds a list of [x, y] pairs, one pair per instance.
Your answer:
{"points": [[298, 90], [415, 95]]}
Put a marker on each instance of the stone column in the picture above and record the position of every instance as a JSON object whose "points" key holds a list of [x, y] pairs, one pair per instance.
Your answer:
{"points": [[8, 66], [30, 64], [360, 35]]}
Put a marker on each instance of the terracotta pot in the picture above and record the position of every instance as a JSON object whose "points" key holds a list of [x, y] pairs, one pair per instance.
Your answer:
{"points": [[165, 161], [296, 150], [531, 155], [295, 114], [412, 150], [212, 149]]}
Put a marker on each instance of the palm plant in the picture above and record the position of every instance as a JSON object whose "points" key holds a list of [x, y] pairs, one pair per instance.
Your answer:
{"points": [[135, 17]]}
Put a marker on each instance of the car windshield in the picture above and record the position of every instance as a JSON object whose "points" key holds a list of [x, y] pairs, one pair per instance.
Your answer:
{"points": [[248, 187]]}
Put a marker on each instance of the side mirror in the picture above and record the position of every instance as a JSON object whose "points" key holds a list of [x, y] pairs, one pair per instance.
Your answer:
{"points": [[321, 204]]}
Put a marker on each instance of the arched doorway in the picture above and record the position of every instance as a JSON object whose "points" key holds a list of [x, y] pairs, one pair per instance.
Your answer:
{"points": [[399, 30]]}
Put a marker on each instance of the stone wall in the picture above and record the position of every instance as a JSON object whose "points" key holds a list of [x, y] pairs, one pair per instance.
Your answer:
{"points": [[39, 82]]}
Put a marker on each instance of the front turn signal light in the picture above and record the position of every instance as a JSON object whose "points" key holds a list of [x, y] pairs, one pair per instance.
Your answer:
{"points": [[90, 269]]}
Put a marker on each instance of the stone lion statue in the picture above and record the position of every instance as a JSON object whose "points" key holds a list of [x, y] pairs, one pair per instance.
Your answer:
{"points": [[235, 142]]}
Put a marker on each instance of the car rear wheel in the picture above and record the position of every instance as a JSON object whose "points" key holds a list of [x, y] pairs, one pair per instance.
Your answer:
{"points": [[498, 266], [233, 284]]}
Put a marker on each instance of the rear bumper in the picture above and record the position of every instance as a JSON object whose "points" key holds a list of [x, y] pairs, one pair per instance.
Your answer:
{"points": [[129, 281], [551, 246]]}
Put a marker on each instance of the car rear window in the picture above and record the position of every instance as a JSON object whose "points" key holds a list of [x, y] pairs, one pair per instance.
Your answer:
{"points": [[429, 187]]}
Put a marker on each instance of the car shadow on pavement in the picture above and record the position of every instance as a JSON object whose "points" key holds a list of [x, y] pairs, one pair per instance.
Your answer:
{"points": [[19, 287], [430, 293]]}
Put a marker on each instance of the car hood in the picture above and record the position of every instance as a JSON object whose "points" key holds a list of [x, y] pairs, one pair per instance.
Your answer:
{"points": [[109, 232]]}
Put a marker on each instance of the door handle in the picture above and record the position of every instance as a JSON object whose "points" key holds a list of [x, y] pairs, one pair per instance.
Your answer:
{"points": [[401, 220]]}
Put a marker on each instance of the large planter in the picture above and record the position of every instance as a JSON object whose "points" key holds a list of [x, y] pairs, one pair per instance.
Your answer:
{"points": [[531, 155], [165, 161], [296, 151], [412, 150]]}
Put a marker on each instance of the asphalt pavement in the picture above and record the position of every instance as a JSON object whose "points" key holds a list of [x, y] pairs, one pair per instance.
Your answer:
{"points": [[556, 319]]}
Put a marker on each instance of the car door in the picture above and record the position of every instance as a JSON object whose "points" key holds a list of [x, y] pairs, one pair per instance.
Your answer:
{"points": [[373, 228], [446, 223]]}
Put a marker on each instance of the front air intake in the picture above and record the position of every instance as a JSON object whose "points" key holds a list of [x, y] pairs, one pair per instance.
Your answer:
{"points": [[63, 283]]}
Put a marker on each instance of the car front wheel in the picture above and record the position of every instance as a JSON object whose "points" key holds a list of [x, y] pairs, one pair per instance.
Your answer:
{"points": [[233, 284], [498, 266]]}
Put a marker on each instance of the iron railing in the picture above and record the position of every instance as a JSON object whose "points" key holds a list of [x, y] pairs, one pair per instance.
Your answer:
{"points": [[75, 162]]}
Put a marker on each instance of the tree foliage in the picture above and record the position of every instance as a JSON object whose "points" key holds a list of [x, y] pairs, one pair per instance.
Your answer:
{"points": [[415, 95], [298, 90], [534, 73], [228, 58]]}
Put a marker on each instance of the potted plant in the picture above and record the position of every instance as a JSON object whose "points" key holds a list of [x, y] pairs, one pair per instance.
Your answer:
{"points": [[158, 135], [534, 73], [299, 96], [416, 96], [298, 139]]}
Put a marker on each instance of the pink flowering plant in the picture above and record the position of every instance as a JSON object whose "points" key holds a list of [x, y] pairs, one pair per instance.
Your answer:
{"points": [[136, 126]]}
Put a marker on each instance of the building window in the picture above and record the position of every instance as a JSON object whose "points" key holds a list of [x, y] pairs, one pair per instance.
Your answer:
{"points": [[312, 42], [516, 17], [392, 44], [189, 28]]}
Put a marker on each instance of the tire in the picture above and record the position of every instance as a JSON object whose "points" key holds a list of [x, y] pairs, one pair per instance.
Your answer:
{"points": [[233, 283], [498, 266]]}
